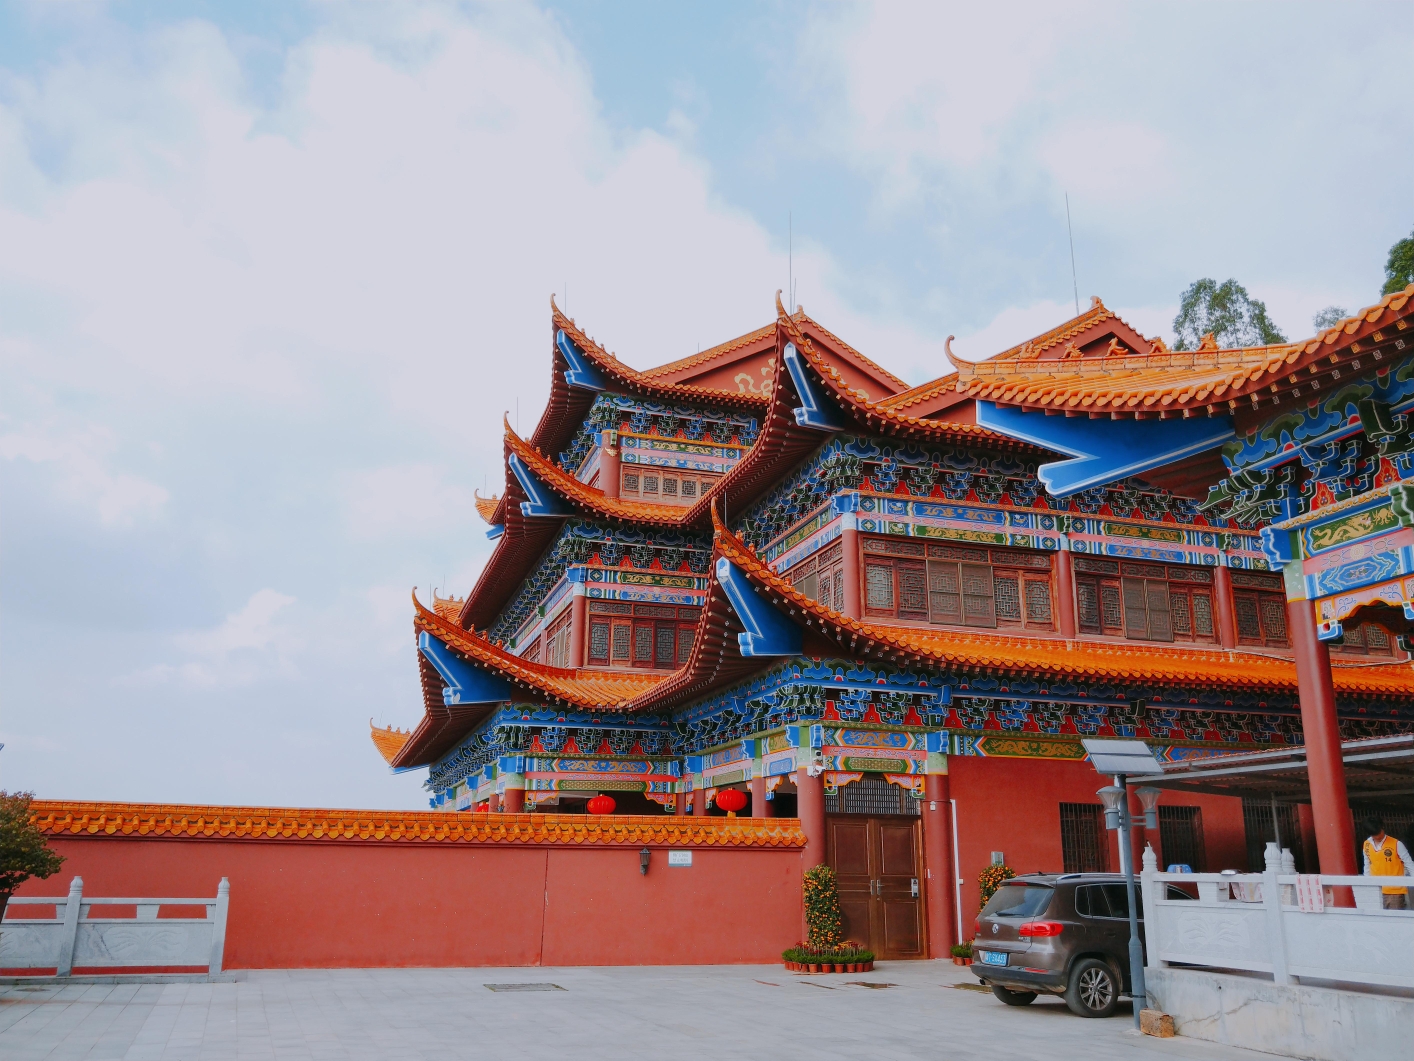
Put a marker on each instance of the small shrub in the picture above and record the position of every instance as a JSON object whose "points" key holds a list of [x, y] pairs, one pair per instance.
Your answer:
{"points": [[961, 950], [823, 916], [846, 953], [990, 879], [24, 851]]}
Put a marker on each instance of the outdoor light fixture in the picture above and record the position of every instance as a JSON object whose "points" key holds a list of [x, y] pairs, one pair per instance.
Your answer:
{"points": [[1112, 797], [643, 857], [1123, 759], [1149, 797]]}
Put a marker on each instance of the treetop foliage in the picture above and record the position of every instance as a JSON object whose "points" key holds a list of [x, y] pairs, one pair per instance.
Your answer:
{"points": [[1399, 269], [24, 852], [1224, 311]]}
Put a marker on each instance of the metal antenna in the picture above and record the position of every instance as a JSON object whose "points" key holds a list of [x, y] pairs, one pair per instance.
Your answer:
{"points": [[1074, 283], [790, 258]]}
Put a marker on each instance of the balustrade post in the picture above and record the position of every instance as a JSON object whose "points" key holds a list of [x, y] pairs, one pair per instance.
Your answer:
{"points": [[1271, 900], [72, 913], [1152, 890], [218, 929]]}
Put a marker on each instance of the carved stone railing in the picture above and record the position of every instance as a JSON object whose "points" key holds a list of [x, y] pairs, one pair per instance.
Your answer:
{"points": [[74, 938], [1253, 922]]}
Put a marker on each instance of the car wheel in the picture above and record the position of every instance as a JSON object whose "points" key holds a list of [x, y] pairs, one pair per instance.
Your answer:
{"points": [[1013, 998], [1094, 989]]}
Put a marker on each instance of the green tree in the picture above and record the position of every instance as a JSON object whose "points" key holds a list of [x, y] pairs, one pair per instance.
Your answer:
{"points": [[1226, 312], [1329, 317], [1399, 270], [23, 850]]}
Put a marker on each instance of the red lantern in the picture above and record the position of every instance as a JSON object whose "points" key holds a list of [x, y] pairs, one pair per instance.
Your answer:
{"points": [[731, 800], [602, 805]]}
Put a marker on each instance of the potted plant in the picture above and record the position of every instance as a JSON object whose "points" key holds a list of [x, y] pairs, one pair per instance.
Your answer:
{"points": [[962, 954]]}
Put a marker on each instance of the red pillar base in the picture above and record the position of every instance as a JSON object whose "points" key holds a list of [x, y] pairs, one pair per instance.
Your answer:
{"points": [[938, 869], [513, 801], [1330, 805]]}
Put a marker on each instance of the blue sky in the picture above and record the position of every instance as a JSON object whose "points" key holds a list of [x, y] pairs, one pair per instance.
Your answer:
{"points": [[271, 273]]}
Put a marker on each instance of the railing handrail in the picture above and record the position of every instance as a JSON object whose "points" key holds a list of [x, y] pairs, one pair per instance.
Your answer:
{"points": [[62, 900], [1283, 878]]}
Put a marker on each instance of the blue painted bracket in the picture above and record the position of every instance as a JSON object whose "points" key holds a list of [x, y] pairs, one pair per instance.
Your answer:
{"points": [[1277, 547], [495, 531], [818, 411], [768, 632], [466, 682], [582, 373], [542, 502], [841, 504], [1104, 451], [511, 764]]}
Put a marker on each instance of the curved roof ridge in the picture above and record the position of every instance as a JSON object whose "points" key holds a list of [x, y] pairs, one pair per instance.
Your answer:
{"points": [[388, 741], [802, 317], [579, 493], [946, 383], [632, 377], [901, 423], [986, 652], [711, 353]]}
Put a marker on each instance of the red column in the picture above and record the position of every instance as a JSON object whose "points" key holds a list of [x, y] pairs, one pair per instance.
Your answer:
{"points": [[513, 801], [849, 544], [699, 803], [938, 869], [1065, 594], [680, 803], [1330, 806], [1222, 604], [810, 801], [579, 608], [494, 803], [1307, 824], [760, 805], [609, 464]]}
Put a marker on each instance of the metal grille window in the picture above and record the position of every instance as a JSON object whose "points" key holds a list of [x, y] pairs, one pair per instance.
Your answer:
{"points": [[1085, 846], [1257, 821], [871, 795], [1181, 837]]}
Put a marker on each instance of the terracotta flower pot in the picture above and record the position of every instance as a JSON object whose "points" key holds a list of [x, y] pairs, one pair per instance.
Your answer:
{"points": [[853, 967], [956, 960], [814, 967]]}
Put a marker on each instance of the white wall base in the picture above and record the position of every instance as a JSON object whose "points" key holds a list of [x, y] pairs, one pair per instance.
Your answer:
{"points": [[1289, 1019]]}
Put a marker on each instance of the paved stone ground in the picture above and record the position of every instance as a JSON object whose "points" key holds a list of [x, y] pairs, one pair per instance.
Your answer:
{"points": [[719, 1012]]}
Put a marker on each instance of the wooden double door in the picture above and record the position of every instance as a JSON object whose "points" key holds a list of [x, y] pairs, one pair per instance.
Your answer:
{"points": [[879, 863]]}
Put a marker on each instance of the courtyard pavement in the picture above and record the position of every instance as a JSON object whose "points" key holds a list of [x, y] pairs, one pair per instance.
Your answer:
{"points": [[927, 1010]]}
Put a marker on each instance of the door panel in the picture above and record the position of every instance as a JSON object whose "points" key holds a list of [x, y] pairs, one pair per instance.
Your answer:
{"points": [[878, 865]]}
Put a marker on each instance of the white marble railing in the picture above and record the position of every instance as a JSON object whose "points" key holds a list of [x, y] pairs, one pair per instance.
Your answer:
{"points": [[1253, 922], [73, 937]]}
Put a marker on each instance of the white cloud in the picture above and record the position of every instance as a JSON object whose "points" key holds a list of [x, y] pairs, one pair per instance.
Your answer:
{"points": [[247, 646], [406, 500], [82, 473]]}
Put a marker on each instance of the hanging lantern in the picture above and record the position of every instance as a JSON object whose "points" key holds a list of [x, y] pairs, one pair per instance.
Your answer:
{"points": [[601, 804], [731, 800]]}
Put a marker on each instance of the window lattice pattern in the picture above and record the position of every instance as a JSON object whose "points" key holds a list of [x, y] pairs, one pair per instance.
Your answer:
{"points": [[1085, 846], [871, 795], [1038, 602], [1008, 595]]}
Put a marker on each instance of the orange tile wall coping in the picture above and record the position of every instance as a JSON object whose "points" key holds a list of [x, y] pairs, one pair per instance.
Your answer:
{"points": [[63, 819]]}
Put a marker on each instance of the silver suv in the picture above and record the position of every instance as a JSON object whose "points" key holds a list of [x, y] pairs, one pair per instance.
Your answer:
{"points": [[1065, 934]]}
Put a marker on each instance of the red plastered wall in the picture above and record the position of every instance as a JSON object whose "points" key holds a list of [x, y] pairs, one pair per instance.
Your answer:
{"points": [[317, 904], [1013, 806]]}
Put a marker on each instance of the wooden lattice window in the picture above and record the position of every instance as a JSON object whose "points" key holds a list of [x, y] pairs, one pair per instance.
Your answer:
{"points": [[957, 586], [1260, 618], [1367, 639], [1085, 846], [1144, 602], [557, 641], [821, 577]]}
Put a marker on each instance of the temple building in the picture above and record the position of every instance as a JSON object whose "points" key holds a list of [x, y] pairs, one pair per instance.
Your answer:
{"points": [[894, 612]]}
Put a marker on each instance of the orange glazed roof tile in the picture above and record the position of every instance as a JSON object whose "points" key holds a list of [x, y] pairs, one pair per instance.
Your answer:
{"points": [[879, 416], [922, 393], [989, 653], [731, 346], [388, 741], [597, 690], [1072, 369], [641, 381], [63, 819], [486, 506], [591, 497]]}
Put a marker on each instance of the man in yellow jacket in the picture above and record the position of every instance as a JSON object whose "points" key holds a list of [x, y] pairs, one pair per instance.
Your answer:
{"points": [[1387, 857]]}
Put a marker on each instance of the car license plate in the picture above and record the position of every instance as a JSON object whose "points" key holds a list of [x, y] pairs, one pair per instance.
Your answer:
{"points": [[992, 957]]}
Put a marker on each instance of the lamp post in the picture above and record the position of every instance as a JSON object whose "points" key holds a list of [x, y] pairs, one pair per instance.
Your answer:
{"points": [[1119, 759]]}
